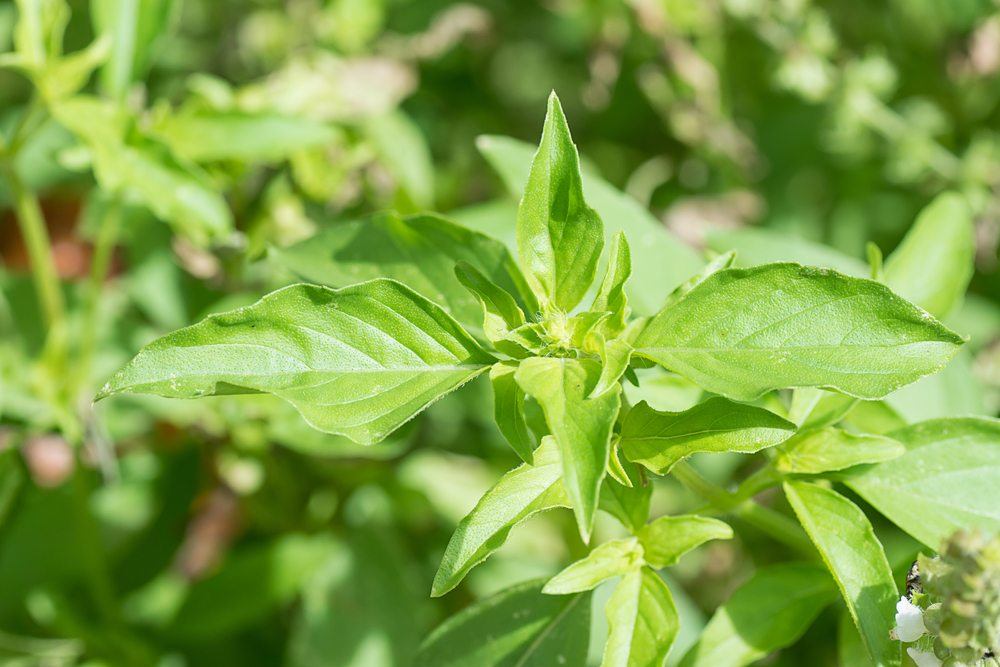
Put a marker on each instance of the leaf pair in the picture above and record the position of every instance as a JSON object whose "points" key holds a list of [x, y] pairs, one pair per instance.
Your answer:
{"points": [[642, 618]]}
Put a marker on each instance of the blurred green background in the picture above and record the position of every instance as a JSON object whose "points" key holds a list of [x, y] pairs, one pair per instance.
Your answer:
{"points": [[226, 532]]}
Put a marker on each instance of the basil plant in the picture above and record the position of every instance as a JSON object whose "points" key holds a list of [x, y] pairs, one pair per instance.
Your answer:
{"points": [[782, 352]]}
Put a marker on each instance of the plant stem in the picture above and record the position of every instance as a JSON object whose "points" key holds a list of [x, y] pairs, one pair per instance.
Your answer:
{"points": [[775, 524], [36, 240]]}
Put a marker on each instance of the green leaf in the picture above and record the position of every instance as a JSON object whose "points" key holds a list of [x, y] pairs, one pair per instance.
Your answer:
{"points": [[946, 480], [723, 261], [933, 264], [361, 608], [559, 237], [658, 440], [520, 493], [508, 410], [211, 136], [172, 191], [501, 314], [852, 553], [249, 586], [519, 626], [402, 149], [360, 361], [642, 621], [420, 251], [137, 28], [611, 295], [660, 261], [615, 357], [767, 613], [627, 503], [743, 332], [668, 538], [611, 559], [581, 426], [761, 245], [822, 450]]}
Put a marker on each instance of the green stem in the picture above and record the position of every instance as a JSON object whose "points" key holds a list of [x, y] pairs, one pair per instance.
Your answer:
{"points": [[775, 524], [36, 240]]}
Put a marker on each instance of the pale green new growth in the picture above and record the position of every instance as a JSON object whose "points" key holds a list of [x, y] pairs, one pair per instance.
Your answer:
{"points": [[642, 621], [668, 538], [559, 237], [611, 559], [826, 449]]}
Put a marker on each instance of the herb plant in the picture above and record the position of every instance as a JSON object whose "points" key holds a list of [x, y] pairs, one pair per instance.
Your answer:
{"points": [[503, 403], [787, 357]]}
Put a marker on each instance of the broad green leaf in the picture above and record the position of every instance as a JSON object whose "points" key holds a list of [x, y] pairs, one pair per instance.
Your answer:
{"points": [[660, 261], [822, 450], [611, 559], [520, 627], [743, 332], [137, 28], [933, 264], [210, 136], [767, 613], [361, 608], [419, 251], [360, 361], [756, 246], [642, 621], [508, 410], [581, 426], [519, 494], [855, 557], [668, 538], [611, 295], [249, 586], [559, 237], [658, 440], [946, 480], [172, 191], [627, 503]]}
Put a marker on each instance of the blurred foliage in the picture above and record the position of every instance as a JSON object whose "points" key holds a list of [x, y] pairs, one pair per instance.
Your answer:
{"points": [[175, 144]]}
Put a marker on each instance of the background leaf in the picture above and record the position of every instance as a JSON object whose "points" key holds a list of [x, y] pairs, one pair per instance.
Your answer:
{"points": [[767, 613], [420, 251], [521, 626], [944, 482], [933, 264]]}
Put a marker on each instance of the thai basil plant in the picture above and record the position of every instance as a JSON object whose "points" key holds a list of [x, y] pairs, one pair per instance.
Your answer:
{"points": [[791, 361]]}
